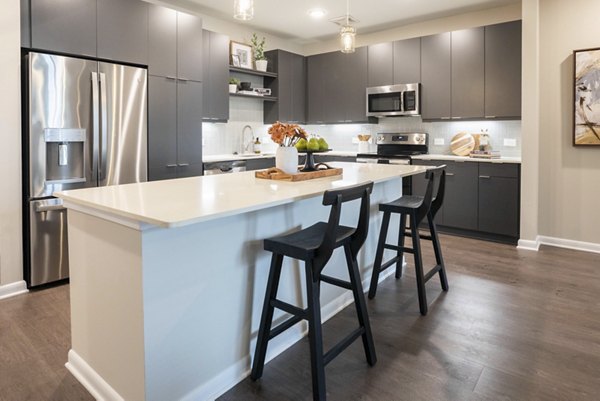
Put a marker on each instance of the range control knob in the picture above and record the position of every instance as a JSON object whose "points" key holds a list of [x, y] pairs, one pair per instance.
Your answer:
{"points": [[380, 138]]}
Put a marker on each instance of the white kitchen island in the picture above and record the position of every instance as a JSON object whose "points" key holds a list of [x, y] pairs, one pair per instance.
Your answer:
{"points": [[168, 277]]}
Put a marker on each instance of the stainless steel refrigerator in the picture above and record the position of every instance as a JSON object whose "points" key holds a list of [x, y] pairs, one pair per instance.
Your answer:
{"points": [[87, 127]]}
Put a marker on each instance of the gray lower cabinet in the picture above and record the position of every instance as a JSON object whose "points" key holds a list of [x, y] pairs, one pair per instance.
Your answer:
{"points": [[407, 61], [334, 158], [174, 128], [261, 163], [499, 198], [436, 77], [468, 73], [481, 198], [289, 87], [215, 76], [503, 70], [123, 30], [68, 26]]}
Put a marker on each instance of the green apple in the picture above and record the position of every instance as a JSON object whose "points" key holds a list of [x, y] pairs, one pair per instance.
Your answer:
{"points": [[301, 145], [313, 145], [323, 145]]}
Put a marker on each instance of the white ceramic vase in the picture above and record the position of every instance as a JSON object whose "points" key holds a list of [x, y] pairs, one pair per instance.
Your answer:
{"points": [[261, 65], [286, 159], [232, 88]]}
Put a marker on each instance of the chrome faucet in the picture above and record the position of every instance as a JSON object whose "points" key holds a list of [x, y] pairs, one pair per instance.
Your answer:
{"points": [[246, 148]]}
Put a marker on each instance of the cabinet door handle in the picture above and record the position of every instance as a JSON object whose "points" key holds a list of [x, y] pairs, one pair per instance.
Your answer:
{"points": [[490, 116], [183, 79], [456, 118], [183, 164], [171, 165], [487, 177], [449, 174], [444, 118], [171, 78]]}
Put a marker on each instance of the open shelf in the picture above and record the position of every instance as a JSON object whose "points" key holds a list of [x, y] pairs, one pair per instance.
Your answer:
{"points": [[253, 72], [263, 98]]}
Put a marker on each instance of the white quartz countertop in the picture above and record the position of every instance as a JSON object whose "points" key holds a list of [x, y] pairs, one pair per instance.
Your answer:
{"points": [[249, 156], [184, 201], [466, 158]]}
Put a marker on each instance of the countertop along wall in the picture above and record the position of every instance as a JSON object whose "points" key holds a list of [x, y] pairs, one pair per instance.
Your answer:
{"points": [[11, 260]]}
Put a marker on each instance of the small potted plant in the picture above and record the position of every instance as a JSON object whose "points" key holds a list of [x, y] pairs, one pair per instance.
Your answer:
{"points": [[258, 48], [233, 85]]}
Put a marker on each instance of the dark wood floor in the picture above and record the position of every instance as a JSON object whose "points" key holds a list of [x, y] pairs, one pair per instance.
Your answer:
{"points": [[516, 325]]}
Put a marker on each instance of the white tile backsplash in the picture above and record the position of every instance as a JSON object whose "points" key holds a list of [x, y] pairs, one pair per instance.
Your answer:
{"points": [[224, 138]]}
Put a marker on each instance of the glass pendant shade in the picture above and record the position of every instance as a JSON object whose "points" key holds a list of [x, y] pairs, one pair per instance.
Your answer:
{"points": [[243, 9], [347, 38]]}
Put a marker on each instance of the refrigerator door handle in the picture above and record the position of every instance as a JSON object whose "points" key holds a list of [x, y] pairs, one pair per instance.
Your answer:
{"points": [[104, 125], [95, 125]]}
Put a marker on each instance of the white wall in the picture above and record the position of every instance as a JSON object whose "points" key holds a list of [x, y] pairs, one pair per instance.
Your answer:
{"points": [[11, 261], [569, 192], [446, 24]]}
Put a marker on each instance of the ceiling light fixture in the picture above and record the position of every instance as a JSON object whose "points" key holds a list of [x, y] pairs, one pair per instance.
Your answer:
{"points": [[243, 9], [317, 13], [347, 33]]}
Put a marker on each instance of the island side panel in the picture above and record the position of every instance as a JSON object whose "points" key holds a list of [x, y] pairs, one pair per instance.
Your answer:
{"points": [[204, 287], [106, 302]]}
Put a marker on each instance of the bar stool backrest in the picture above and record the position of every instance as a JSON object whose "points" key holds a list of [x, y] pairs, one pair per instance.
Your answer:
{"points": [[335, 198], [438, 200], [426, 205]]}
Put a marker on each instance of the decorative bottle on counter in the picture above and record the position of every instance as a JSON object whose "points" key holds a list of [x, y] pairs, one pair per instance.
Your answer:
{"points": [[256, 145]]}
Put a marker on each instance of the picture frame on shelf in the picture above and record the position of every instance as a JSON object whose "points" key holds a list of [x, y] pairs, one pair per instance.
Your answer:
{"points": [[586, 97], [242, 52]]}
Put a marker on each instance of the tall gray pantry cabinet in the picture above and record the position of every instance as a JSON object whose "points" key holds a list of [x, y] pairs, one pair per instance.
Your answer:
{"points": [[175, 94]]}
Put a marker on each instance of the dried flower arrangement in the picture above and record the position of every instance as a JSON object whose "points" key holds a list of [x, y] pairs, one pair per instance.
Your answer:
{"points": [[286, 134]]}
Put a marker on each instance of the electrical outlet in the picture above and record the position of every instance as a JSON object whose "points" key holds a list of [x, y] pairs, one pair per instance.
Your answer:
{"points": [[439, 141], [510, 142]]}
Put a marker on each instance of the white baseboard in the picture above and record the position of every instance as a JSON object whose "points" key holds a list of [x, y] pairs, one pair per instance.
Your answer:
{"points": [[559, 243], [529, 245], [92, 381], [12, 289], [227, 379]]}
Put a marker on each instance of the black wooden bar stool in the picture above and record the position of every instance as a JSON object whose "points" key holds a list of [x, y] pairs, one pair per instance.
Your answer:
{"points": [[417, 207], [315, 245]]}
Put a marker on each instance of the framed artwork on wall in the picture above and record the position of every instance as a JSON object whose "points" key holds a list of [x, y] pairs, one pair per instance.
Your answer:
{"points": [[586, 99], [241, 54]]}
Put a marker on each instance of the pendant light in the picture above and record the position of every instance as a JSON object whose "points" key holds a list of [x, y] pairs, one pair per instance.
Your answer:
{"points": [[243, 9], [347, 33]]}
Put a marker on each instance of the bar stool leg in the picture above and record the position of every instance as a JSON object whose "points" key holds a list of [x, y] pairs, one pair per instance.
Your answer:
{"points": [[437, 249], [267, 317], [414, 229], [400, 245], [379, 254], [361, 307], [315, 334]]}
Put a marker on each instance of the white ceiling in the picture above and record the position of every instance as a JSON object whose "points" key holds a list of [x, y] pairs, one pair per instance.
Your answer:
{"points": [[288, 18]]}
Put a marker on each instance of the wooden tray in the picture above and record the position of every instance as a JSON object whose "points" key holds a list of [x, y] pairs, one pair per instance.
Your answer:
{"points": [[276, 174]]}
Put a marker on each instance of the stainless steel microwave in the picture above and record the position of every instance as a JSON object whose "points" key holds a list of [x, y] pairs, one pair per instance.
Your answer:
{"points": [[394, 100]]}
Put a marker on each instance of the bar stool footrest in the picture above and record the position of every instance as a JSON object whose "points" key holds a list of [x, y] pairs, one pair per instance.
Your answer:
{"points": [[336, 281], [422, 236], [342, 345], [432, 273], [398, 248], [284, 326], [289, 308]]}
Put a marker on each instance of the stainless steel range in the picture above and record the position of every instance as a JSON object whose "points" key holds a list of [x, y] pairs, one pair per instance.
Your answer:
{"points": [[397, 148]]}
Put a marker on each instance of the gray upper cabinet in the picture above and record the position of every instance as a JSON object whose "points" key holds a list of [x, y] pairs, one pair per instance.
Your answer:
{"points": [[315, 75], [407, 61], [162, 128], [503, 70], [468, 73], [215, 76], [334, 87], [189, 128], [289, 87], [162, 36], [25, 24], [381, 64], [354, 85], [123, 30], [436, 76], [66, 28], [189, 47]]}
